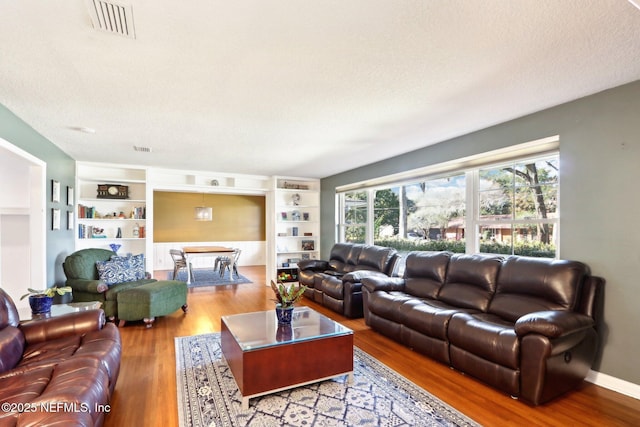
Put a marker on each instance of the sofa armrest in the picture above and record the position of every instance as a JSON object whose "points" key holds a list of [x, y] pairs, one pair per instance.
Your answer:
{"points": [[313, 264], [53, 328], [552, 323], [358, 275], [383, 283], [88, 286]]}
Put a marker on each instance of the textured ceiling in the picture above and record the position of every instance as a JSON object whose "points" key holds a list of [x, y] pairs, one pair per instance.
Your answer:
{"points": [[303, 88]]}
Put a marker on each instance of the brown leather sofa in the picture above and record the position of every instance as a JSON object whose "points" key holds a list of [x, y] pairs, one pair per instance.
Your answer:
{"points": [[56, 371], [524, 325], [337, 283]]}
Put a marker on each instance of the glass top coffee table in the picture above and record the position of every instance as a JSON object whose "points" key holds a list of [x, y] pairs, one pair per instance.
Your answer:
{"points": [[266, 357]]}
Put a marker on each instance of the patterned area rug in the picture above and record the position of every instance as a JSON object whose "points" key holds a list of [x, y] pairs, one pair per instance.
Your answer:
{"points": [[208, 277], [378, 396]]}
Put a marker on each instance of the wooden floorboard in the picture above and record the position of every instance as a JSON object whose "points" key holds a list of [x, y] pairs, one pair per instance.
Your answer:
{"points": [[145, 394]]}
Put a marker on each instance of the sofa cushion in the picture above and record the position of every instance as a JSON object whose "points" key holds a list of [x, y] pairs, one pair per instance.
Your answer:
{"points": [[471, 281], [136, 264], [350, 263], [338, 256], [527, 285], [388, 304], [11, 347], [429, 317], [487, 336], [115, 271], [425, 273], [374, 258]]}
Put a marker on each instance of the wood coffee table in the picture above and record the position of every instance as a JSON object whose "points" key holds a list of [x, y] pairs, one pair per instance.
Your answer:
{"points": [[265, 357]]}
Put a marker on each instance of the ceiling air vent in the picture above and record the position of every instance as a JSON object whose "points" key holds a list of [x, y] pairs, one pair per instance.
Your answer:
{"points": [[142, 149], [112, 17]]}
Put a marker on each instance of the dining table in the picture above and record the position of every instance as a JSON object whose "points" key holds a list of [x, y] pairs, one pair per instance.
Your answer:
{"points": [[191, 252]]}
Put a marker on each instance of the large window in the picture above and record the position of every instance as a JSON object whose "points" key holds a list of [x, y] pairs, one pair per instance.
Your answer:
{"points": [[506, 208]]}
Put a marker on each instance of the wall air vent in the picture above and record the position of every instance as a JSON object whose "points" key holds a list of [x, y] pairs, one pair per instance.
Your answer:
{"points": [[112, 17], [142, 149]]}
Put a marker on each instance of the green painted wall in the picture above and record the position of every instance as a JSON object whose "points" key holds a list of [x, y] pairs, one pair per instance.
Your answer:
{"points": [[599, 173], [60, 167]]}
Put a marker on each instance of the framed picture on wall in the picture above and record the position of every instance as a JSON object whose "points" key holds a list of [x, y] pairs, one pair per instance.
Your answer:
{"points": [[55, 219], [69, 196], [69, 220], [55, 191]]}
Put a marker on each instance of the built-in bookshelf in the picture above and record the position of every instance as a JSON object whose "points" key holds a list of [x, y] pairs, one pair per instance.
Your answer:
{"points": [[104, 218], [297, 224]]}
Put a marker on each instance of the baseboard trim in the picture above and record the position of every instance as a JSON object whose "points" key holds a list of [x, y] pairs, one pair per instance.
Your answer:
{"points": [[613, 383]]}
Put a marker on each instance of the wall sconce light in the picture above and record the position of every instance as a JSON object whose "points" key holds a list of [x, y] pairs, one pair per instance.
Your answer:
{"points": [[203, 213]]}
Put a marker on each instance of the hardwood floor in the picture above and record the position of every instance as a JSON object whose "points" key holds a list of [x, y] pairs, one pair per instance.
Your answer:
{"points": [[145, 394]]}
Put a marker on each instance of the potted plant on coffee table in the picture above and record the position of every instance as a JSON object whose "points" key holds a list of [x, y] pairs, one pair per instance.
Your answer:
{"points": [[41, 300], [286, 297]]}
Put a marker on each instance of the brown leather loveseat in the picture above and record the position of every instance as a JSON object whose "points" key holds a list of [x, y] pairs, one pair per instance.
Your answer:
{"points": [[336, 283], [56, 371], [524, 325]]}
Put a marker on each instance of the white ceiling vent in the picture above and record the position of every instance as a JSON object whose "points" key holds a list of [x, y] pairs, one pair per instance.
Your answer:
{"points": [[142, 149], [112, 17]]}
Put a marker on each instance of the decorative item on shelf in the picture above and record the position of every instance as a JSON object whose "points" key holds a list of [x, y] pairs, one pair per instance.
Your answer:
{"points": [[294, 231], [119, 233], [283, 215], [114, 247], [136, 231], [308, 245], [113, 191], [295, 216], [40, 301], [305, 216], [97, 233], [214, 182], [308, 234], [295, 199], [286, 297], [295, 186]]}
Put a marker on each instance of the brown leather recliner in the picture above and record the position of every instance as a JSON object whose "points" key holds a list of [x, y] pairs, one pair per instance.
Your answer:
{"points": [[59, 370], [526, 326], [337, 283]]}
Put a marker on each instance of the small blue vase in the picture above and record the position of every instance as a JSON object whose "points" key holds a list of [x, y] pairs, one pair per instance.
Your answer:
{"points": [[284, 314], [40, 304]]}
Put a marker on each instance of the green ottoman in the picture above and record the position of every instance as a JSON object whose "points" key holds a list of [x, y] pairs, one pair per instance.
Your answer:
{"points": [[149, 301]]}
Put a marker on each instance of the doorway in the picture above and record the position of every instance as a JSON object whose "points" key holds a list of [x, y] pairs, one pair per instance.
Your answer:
{"points": [[22, 222]]}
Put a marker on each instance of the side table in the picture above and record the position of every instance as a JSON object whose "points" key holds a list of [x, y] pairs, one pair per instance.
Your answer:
{"points": [[58, 310]]}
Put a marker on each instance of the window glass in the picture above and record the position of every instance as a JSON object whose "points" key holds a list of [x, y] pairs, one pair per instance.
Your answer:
{"points": [[513, 210], [518, 208], [355, 217]]}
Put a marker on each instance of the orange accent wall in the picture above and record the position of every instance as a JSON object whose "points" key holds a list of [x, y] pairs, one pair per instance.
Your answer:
{"points": [[235, 217]]}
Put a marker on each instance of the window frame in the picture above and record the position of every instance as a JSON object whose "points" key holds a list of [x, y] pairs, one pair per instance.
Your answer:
{"points": [[535, 150]]}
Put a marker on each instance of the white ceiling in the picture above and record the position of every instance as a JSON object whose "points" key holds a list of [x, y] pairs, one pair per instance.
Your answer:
{"points": [[301, 88]]}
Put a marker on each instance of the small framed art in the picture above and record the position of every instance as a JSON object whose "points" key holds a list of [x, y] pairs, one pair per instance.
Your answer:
{"points": [[69, 196], [55, 191], [69, 220], [55, 219]]}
